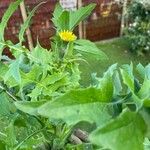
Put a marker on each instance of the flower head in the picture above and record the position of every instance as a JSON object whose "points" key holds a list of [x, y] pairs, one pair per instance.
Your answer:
{"points": [[105, 13], [67, 36]]}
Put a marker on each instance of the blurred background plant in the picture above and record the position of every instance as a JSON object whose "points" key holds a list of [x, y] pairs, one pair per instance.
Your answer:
{"points": [[138, 31]]}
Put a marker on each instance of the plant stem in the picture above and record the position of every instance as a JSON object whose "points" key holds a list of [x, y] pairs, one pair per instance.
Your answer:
{"points": [[8, 93], [69, 50]]}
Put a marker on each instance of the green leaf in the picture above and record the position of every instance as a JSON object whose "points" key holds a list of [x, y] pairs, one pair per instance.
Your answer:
{"points": [[57, 13], [76, 106], [146, 144], [141, 70], [4, 104], [141, 96], [63, 21], [79, 15], [57, 85], [84, 146], [35, 93], [68, 20], [117, 84], [135, 100], [2, 145], [16, 49], [4, 69], [13, 71], [144, 91], [147, 71], [89, 48], [29, 107], [46, 86], [105, 84], [1, 50], [145, 114], [127, 76], [75, 76], [31, 77], [52, 79], [11, 140], [26, 23], [6, 17], [40, 55], [126, 132], [11, 136]]}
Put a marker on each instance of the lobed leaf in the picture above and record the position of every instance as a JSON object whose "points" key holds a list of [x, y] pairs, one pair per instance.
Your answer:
{"points": [[13, 71], [125, 132], [5, 105], [78, 105]]}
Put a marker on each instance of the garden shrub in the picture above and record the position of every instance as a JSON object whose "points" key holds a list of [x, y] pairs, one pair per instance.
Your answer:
{"points": [[138, 31]]}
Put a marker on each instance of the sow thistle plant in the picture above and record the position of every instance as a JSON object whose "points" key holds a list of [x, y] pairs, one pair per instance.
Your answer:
{"points": [[43, 105], [37, 76]]}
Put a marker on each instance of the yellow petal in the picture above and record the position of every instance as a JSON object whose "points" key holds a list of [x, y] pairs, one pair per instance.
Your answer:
{"points": [[67, 36]]}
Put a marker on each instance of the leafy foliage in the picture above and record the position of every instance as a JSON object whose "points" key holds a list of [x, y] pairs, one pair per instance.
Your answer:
{"points": [[128, 130], [68, 20], [35, 78], [42, 102], [114, 111]]}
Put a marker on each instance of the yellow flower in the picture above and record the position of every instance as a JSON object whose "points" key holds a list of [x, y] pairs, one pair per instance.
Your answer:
{"points": [[105, 13], [67, 36]]}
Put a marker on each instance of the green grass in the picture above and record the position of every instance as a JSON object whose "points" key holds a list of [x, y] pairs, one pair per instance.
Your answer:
{"points": [[117, 51]]}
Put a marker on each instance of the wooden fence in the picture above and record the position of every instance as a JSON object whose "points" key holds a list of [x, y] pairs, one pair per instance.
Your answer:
{"points": [[96, 27]]}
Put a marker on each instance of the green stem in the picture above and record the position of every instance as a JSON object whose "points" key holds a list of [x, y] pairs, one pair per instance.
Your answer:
{"points": [[69, 50], [8, 93]]}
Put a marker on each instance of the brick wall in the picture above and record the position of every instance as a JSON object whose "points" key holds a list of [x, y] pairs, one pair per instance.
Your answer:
{"points": [[97, 27]]}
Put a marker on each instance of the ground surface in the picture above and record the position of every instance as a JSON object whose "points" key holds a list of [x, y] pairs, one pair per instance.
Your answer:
{"points": [[117, 51]]}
